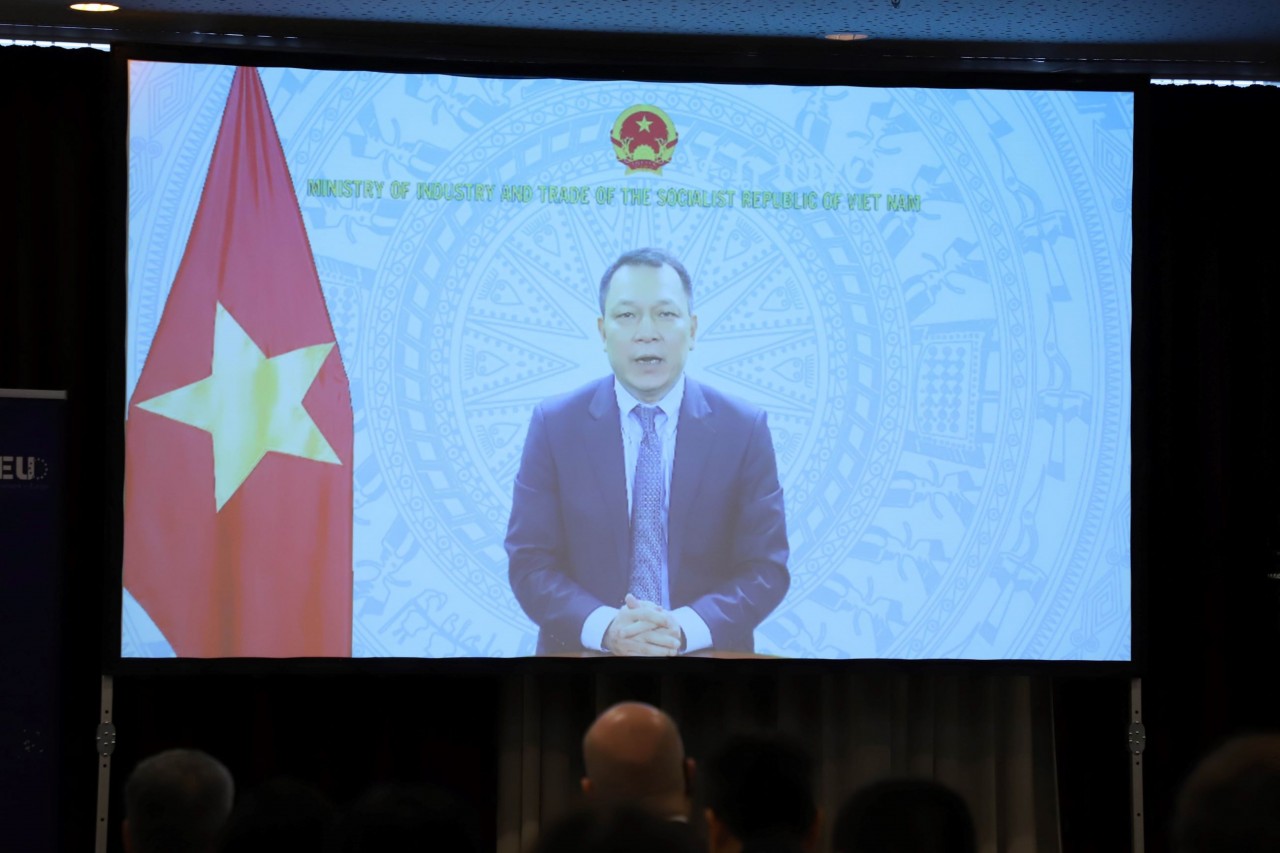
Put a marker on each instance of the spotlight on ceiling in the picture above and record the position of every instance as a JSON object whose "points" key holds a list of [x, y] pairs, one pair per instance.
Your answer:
{"points": [[846, 36], [95, 7]]}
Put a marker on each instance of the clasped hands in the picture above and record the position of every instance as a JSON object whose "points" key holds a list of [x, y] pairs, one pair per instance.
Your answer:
{"points": [[643, 629]]}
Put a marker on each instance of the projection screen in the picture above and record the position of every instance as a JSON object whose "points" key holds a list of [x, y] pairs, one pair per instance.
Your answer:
{"points": [[901, 367]]}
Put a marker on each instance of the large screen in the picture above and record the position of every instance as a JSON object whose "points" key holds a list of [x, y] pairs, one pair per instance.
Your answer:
{"points": [[441, 366]]}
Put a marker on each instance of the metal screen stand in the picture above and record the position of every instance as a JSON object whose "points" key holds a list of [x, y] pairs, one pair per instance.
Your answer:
{"points": [[106, 746], [1137, 743]]}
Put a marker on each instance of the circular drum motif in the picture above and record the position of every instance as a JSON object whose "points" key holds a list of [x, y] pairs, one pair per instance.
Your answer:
{"points": [[497, 311]]}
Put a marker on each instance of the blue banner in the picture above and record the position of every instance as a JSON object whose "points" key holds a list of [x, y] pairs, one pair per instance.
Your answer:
{"points": [[32, 476]]}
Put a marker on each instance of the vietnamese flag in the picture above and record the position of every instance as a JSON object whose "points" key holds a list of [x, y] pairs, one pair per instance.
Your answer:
{"points": [[238, 445]]}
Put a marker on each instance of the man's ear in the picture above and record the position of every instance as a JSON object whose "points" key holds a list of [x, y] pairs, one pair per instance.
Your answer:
{"points": [[693, 330], [718, 836], [690, 774], [125, 836], [600, 327], [586, 786]]}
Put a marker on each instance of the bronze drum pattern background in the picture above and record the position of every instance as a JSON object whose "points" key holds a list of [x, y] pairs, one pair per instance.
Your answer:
{"points": [[947, 387]]}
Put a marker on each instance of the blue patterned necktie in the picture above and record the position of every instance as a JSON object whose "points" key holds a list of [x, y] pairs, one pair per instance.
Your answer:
{"points": [[647, 494]]}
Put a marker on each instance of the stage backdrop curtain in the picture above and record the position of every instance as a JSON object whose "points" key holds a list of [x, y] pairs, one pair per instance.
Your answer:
{"points": [[988, 736], [61, 324], [1206, 388]]}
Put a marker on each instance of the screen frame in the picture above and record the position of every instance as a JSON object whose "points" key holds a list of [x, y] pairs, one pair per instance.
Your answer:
{"points": [[645, 68]]}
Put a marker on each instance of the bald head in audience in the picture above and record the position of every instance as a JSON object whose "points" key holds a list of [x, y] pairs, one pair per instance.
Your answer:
{"points": [[634, 755], [1231, 801], [176, 802]]}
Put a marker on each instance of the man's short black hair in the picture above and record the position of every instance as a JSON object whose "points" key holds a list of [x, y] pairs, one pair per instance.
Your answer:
{"points": [[1231, 802], [657, 258], [760, 786], [176, 801], [280, 814], [907, 816], [405, 817]]}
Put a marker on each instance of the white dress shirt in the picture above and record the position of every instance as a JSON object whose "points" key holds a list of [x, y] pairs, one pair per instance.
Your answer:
{"points": [[696, 633]]}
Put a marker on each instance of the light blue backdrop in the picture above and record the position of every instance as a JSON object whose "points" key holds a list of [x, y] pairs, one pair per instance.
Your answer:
{"points": [[948, 389]]}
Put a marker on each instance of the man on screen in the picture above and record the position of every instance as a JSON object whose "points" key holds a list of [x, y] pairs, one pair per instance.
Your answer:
{"points": [[647, 517]]}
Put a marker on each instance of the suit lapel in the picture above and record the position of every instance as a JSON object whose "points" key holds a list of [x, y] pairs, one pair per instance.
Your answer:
{"points": [[695, 438], [603, 451]]}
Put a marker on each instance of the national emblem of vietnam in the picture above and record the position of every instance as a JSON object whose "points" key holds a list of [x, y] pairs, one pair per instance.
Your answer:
{"points": [[644, 139]]}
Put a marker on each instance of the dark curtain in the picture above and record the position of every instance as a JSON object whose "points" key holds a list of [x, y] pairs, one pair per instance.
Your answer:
{"points": [[57, 218], [1205, 429], [61, 326], [1206, 529], [986, 735]]}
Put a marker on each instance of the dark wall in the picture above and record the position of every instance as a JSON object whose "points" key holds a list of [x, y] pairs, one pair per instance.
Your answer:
{"points": [[59, 327], [1206, 359], [1205, 525]]}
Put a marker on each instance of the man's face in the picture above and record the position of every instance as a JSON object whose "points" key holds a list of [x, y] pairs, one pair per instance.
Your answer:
{"points": [[647, 329]]}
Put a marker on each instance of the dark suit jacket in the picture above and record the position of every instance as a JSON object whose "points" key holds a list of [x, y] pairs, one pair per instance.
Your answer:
{"points": [[569, 537]]}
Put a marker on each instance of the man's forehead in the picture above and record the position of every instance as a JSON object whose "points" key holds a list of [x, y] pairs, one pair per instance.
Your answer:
{"points": [[663, 300], [625, 279]]}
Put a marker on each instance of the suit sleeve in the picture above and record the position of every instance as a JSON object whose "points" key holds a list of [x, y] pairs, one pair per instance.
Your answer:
{"points": [[537, 550], [756, 564]]}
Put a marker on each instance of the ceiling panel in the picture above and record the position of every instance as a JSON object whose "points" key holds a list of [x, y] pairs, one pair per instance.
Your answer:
{"points": [[1241, 31]]}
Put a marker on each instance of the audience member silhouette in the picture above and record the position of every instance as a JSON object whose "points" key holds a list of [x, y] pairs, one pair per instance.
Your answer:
{"points": [[904, 816], [1231, 801], [634, 756], [281, 814], [760, 796], [403, 819], [622, 829], [176, 802]]}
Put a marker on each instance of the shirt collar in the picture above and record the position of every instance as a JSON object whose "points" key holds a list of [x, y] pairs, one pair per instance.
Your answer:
{"points": [[670, 404]]}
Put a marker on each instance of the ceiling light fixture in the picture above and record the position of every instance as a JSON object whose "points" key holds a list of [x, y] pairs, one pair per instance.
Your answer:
{"points": [[95, 7], [847, 36]]}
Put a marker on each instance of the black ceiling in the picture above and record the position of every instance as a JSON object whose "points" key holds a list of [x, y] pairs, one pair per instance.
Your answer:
{"points": [[1232, 38]]}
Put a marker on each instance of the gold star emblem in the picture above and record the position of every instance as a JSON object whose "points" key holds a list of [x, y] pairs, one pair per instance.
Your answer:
{"points": [[250, 404], [643, 124]]}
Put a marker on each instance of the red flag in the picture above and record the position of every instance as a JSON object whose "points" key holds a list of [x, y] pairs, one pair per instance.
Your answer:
{"points": [[238, 443]]}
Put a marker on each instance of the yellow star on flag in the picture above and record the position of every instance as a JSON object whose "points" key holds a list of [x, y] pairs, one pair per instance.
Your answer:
{"points": [[250, 404], [643, 124]]}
